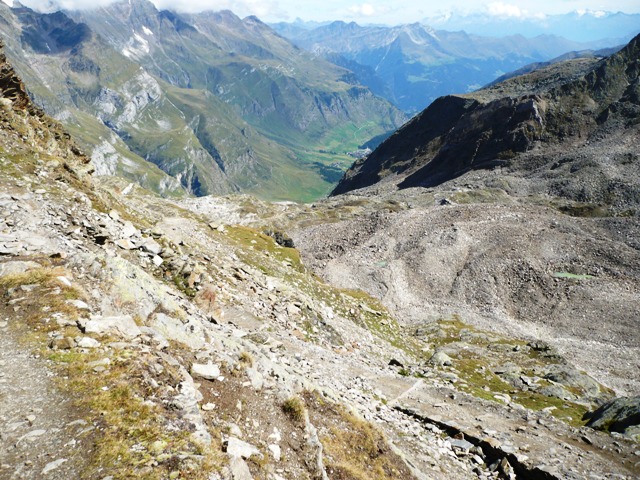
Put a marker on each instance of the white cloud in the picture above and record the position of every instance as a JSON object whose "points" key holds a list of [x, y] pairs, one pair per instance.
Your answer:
{"points": [[507, 10], [264, 9], [500, 9], [365, 9]]}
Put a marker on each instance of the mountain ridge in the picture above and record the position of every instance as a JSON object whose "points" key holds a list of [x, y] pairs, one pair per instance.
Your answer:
{"points": [[564, 103], [414, 64]]}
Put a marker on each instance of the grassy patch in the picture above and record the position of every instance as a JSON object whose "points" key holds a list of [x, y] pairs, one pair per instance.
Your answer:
{"points": [[249, 239], [572, 276], [354, 449], [295, 409], [132, 437], [485, 195], [40, 296]]}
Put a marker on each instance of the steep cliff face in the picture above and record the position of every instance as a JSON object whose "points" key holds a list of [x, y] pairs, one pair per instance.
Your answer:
{"points": [[561, 115]]}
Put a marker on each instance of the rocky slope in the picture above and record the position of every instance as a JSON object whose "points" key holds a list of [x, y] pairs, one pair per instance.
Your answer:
{"points": [[142, 338], [203, 104], [567, 130]]}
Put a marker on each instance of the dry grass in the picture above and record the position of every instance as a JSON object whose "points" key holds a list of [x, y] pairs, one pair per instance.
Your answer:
{"points": [[246, 359], [135, 438], [132, 438], [39, 295], [295, 409], [354, 448]]}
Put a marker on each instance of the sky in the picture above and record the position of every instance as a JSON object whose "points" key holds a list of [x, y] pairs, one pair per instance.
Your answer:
{"points": [[370, 11]]}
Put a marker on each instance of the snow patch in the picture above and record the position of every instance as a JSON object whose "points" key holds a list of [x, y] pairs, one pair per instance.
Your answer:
{"points": [[147, 30], [9, 2], [137, 46]]}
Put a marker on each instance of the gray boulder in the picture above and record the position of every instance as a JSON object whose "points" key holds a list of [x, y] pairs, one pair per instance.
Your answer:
{"points": [[621, 415]]}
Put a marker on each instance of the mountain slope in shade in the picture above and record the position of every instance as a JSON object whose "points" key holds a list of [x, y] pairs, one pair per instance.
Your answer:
{"points": [[569, 129], [412, 65]]}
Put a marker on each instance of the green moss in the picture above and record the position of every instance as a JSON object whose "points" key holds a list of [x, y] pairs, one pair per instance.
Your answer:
{"points": [[572, 276], [485, 195]]}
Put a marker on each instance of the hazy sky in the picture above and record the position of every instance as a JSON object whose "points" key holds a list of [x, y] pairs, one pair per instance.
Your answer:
{"points": [[369, 11]]}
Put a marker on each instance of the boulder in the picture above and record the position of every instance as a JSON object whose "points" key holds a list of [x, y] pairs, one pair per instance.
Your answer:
{"points": [[17, 266], [122, 325], [621, 415], [208, 372], [190, 333], [441, 359], [238, 448]]}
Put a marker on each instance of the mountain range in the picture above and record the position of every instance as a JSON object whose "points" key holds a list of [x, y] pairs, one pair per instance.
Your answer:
{"points": [[204, 103], [210, 103], [578, 26], [412, 65]]}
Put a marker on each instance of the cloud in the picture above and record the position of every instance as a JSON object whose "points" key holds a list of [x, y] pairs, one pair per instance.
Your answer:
{"points": [[365, 10], [507, 10], [54, 5], [500, 9], [264, 9]]}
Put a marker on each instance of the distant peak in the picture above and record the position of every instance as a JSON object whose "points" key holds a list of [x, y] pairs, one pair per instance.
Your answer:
{"points": [[253, 20]]}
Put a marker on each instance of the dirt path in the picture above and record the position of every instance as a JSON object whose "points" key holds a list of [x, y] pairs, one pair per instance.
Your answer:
{"points": [[42, 435]]}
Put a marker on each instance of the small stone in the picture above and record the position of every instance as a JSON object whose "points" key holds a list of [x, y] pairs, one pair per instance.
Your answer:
{"points": [[53, 465], [441, 359], [208, 371], [128, 230], [256, 378], [238, 448], [65, 281], [103, 362], [157, 260], [87, 342], [151, 246], [276, 452], [114, 215], [239, 469], [207, 407], [234, 430], [461, 444], [79, 304], [125, 244], [122, 325], [31, 435]]}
